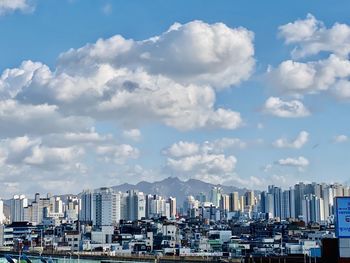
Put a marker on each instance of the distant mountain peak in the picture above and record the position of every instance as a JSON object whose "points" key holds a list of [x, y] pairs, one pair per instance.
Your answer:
{"points": [[174, 186]]}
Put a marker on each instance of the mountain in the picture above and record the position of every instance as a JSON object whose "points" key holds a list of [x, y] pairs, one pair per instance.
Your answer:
{"points": [[173, 186]]}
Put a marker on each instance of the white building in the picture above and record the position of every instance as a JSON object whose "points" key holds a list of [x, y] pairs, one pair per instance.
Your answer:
{"points": [[37, 210], [86, 206], [18, 203], [136, 205], [172, 203], [215, 195], [106, 207], [2, 215]]}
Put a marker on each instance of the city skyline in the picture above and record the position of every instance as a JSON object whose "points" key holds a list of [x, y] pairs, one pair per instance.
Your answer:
{"points": [[310, 203], [110, 92], [277, 222]]}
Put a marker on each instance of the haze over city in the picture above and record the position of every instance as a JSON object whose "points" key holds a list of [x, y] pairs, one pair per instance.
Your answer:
{"points": [[100, 93]]}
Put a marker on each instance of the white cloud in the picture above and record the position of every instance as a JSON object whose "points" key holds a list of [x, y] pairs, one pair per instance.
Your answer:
{"points": [[10, 6], [86, 139], [118, 153], [341, 138], [309, 77], [133, 134], [300, 162], [285, 109], [193, 53], [69, 155], [341, 90], [208, 161], [300, 30], [17, 119], [218, 146], [223, 144], [47, 114], [25, 151], [207, 167], [157, 79], [312, 37], [181, 149], [299, 142], [52, 156]]}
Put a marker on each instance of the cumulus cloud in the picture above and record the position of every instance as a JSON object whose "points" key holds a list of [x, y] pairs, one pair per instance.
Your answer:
{"points": [[300, 30], [341, 90], [208, 161], [300, 162], [169, 78], [10, 6], [285, 109], [297, 143], [132, 134], [193, 53], [30, 151], [181, 149], [86, 139], [330, 74], [72, 156], [207, 167], [118, 153], [312, 37], [18, 119], [293, 77], [340, 138], [223, 144]]}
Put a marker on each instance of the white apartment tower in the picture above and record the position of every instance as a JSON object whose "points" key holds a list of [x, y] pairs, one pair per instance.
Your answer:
{"points": [[136, 205], [18, 203], [2, 216], [106, 207]]}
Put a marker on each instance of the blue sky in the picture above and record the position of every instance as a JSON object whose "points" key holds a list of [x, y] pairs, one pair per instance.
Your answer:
{"points": [[220, 96]]}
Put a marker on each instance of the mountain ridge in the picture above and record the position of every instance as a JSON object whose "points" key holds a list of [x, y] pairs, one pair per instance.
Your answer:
{"points": [[173, 186]]}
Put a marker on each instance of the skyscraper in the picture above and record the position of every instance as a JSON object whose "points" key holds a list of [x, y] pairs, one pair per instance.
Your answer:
{"points": [[299, 192], [172, 202], [225, 202], [86, 206], [249, 199], [2, 216], [18, 203], [276, 192], [288, 204], [215, 195], [267, 204], [234, 202], [106, 207], [136, 205]]}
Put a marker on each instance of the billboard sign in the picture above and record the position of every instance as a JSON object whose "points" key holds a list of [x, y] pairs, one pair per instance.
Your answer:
{"points": [[342, 217]]}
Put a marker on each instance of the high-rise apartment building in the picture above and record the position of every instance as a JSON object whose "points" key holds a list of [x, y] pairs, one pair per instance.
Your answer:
{"points": [[106, 207], [234, 202], [215, 196], [288, 204], [136, 205], [17, 205], [2, 215], [173, 208]]}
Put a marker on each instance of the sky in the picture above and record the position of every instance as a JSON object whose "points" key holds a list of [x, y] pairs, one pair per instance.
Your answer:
{"points": [[244, 93]]}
